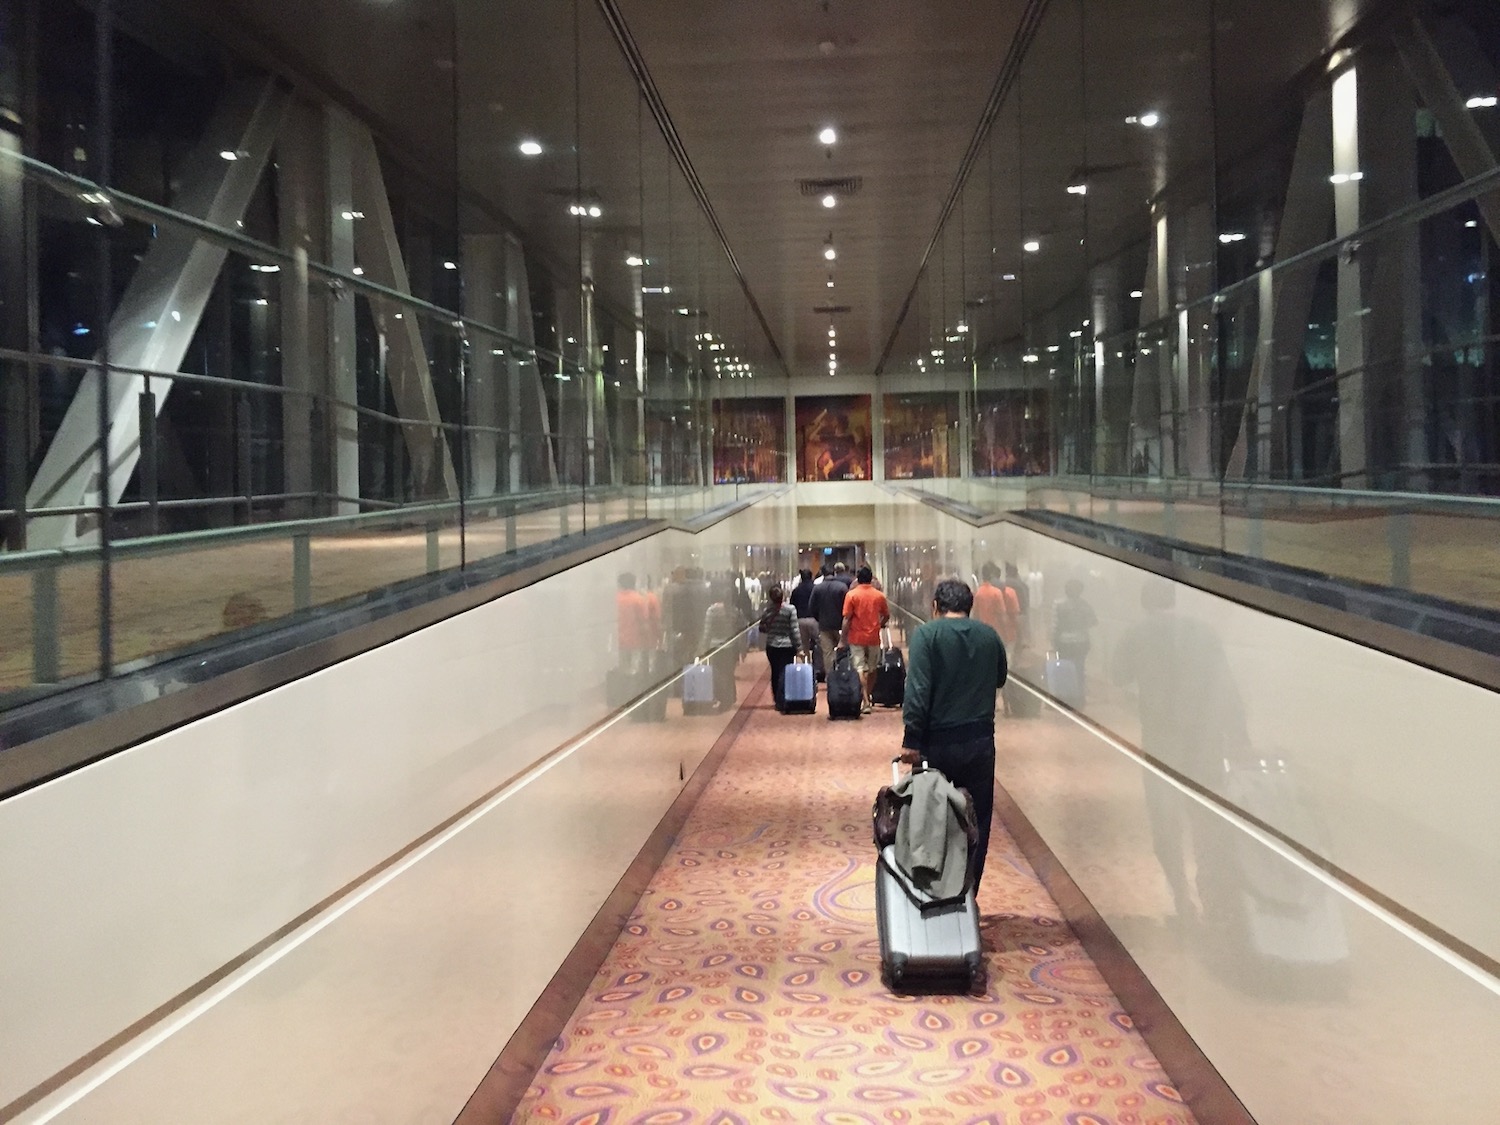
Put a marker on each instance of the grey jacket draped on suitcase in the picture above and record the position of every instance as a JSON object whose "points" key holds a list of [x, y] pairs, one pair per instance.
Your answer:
{"points": [[933, 835]]}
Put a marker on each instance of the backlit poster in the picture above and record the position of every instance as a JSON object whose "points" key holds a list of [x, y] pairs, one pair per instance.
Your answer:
{"points": [[921, 436], [1011, 434], [749, 440], [834, 438]]}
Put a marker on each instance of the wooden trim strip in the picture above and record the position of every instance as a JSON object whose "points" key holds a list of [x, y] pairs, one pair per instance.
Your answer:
{"points": [[1197, 1079], [509, 1077], [192, 992]]}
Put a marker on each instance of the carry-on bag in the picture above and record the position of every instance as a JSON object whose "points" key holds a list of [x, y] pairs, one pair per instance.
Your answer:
{"points": [[1061, 680], [653, 708], [846, 695], [622, 683], [698, 689], [799, 690], [890, 677], [923, 945]]}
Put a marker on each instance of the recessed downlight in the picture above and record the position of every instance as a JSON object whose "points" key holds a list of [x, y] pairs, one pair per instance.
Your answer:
{"points": [[830, 201], [829, 136], [830, 253], [530, 148], [1032, 246]]}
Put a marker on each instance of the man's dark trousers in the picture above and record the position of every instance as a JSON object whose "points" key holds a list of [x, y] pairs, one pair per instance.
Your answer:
{"points": [[971, 765]]}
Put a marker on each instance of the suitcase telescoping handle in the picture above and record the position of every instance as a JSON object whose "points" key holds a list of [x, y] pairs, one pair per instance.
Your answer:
{"points": [[896, 763]]}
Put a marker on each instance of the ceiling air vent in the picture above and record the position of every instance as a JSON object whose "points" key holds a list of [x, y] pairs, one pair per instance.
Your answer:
{"points": [[839, 185], [829, 310]]}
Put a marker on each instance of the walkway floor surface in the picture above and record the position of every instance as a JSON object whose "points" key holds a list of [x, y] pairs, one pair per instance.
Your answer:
{"points": [[746, 986]]}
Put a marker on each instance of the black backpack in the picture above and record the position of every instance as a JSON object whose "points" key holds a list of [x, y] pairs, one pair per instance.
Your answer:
{"points": [[845, 693]]}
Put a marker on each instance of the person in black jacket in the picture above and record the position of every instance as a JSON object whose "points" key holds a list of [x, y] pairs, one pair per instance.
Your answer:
{"points": [[802, 593], [827, 606]]}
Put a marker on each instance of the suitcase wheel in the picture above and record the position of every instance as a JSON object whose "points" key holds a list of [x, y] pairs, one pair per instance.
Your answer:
{"points": [[896, 971], [976, 972]]}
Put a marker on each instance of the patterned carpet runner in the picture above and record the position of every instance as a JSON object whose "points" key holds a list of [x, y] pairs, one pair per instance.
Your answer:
{"points": [[746, 987]]}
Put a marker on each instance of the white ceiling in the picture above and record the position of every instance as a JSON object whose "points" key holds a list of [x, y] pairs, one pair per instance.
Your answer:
{"points": [[456, 83]]}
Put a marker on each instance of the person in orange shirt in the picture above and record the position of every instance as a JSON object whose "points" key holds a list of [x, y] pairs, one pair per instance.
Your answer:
{"points": [[998, 607], [865, 614], [632, 622]]}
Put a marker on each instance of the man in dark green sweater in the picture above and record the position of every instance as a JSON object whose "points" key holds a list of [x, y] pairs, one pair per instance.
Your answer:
{"points": [[954, 668]]}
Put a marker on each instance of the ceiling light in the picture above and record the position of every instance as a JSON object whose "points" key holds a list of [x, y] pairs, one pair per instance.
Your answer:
{"points": [[1136, 294], [450, 265], [1471, 224], [635, 260], [1482, 101], [1078, 189], [352, 215], [530, 148], [1032, 247], [962, 328], [230, 154], [829, 136], [830, 253], [830, 283], [595, 211], [830, 201], [1032, 357], [1007, 277], [359, 271], [1074, 335], [1150, 120], [1232, 236], [258, 268], [1346, 177]]}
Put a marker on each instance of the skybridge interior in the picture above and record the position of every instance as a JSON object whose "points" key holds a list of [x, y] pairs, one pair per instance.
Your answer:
{"points": [[361, 360]]}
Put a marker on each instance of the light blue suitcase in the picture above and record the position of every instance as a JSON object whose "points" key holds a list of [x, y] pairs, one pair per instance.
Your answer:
{"points": [[698, 688], [800, 691]]}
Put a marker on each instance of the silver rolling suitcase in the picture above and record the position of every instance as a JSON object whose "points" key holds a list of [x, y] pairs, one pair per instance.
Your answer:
{"points": [[924, 947]]}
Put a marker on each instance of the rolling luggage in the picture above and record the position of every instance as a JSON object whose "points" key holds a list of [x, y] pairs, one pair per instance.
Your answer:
{"points": [[698, 689], [799, 691], [621, 685], [1020, 703], [846, 695], [890, 678], [653, 708], [1061, 680], [924, 945]]}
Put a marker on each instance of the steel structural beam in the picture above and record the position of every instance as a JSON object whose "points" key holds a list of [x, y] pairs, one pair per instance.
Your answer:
{"points": [[157, 318]]}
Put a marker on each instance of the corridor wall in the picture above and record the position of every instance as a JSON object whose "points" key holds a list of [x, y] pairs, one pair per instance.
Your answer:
{"points": [[1315, 905], [131, 881]]}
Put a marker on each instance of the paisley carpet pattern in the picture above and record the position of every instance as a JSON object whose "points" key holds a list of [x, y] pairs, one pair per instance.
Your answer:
{"points": [[746, 987]]}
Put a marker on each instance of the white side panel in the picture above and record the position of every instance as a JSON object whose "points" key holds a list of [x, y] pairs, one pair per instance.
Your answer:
{"points": [[1315, 1004], [126, 882]]}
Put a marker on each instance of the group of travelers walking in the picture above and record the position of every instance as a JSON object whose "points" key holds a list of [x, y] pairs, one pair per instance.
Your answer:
{"points": [[827, 618]]}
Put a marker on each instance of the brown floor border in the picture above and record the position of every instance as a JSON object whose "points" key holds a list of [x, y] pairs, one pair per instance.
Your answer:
{"points": [[68, 1073], [500, 1092], [1195, 1077]]}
